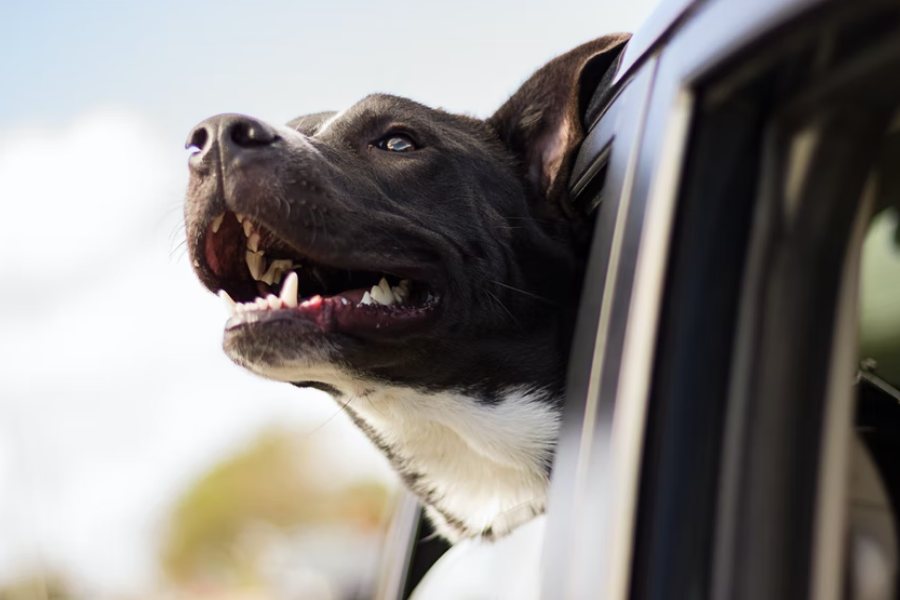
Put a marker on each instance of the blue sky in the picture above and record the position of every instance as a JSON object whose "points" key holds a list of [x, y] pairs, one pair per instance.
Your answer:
{"points": [[177, 62], [115, 393]]}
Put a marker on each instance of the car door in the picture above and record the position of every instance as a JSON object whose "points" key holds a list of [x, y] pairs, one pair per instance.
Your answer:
{"points": [[711, 435]]}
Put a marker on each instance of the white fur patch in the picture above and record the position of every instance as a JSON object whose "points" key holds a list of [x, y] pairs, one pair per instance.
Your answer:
{"points": [[321, 129], [486, 464], [482, 464]]}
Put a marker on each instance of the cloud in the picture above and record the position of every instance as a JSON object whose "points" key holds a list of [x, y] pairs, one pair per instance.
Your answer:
{"points": [[76, 198], [115, 392]]}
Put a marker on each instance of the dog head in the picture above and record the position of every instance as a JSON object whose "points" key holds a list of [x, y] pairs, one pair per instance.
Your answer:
{"points": [[409, 245]]}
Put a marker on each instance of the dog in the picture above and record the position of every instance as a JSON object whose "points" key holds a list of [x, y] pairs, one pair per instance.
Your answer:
{"points": [[422, 267]]}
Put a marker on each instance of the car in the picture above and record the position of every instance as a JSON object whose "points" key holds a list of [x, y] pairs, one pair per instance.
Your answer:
{"points": [[732, 422]]}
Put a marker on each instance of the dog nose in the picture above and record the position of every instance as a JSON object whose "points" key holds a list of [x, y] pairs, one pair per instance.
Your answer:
{"points": [[235, 135]]}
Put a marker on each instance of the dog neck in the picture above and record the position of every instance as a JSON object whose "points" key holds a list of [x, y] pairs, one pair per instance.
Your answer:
{"points": [[479, 464], [480, 467]]}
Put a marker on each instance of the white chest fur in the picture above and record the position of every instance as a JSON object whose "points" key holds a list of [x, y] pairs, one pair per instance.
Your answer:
{"points": [[482, 467]]}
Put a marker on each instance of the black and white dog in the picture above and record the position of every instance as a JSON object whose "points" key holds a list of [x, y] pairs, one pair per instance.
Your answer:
{"points": [[422, 267]]}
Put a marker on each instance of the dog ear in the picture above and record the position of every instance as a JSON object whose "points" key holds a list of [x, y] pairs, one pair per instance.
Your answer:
{"points": [[542, 122]]}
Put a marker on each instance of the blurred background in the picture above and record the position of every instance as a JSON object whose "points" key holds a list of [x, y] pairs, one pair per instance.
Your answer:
{"points": [[136, 461]]}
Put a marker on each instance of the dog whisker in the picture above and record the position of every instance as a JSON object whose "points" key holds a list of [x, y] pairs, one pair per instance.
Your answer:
{"points": [[518, 506], [372, 404], [315, 226], [177, 245], [401, 245], [325, 228], [179, 230], [182, 252], [281, 200], [497, 300], [532, 219], [181, 249], [341, 409], [173, 207], [515, 289]]}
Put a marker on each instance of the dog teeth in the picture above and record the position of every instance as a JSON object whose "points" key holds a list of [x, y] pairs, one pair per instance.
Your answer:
{"points": [[386, 295], [313, 302], [385, 287], [274, 301], [248, 227], [277, 269], [289, 291], [379, 295], [401, 291], [287, 299], [253, 241], [230, 305], [217, 223], [282, 266], [270, 302], [256, 263], [382, 294]]}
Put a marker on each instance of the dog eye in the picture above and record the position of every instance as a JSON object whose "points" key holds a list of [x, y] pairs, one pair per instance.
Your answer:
{"points": [[397, 143]]}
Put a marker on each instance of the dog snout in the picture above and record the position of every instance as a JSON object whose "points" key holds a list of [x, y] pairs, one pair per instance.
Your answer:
{"points": [[230, 138]]}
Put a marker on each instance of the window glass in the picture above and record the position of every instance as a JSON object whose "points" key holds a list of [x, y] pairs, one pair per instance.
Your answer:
{"points": [[874, 482], [880, 298]]}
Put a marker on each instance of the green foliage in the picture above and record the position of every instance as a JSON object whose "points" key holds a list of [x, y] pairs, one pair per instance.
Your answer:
{"points": [[268, 486], [880, 297], [40, 586]]}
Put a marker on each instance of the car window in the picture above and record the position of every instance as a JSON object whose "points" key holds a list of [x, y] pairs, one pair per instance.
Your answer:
{"points": [[880, 297], [803, 444], [762, 431], [874, 481]]}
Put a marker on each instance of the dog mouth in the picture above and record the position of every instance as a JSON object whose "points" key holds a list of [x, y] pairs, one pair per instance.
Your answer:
{"points": [[262, 278]]}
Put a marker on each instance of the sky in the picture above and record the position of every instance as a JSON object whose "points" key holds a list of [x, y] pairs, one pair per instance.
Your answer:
{"points": [[114, 393]]}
